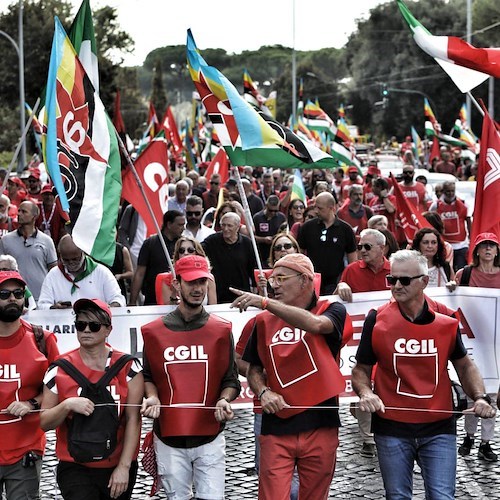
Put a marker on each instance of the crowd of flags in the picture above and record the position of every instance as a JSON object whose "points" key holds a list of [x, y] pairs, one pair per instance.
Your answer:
{"points": [[81, 145]]}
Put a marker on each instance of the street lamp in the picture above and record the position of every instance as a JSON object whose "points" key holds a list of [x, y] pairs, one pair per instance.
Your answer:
{"points": [[20, 55]]}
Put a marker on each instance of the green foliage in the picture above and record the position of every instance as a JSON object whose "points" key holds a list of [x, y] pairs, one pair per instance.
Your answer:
{"points": [[158, 95]]}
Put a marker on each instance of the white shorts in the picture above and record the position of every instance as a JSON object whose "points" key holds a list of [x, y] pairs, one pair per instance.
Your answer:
{"points": [[181, 468]]}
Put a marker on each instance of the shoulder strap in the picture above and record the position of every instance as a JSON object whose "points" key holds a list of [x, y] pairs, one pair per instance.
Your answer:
{"points": [[39, 338], [73, 372], [114, 369], [465, 278]]}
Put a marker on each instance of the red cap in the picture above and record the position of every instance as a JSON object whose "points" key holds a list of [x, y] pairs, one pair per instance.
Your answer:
{"points": [[92, 303], [48, 188], [16, 180], [352, 170], [11, 275], [486, 237], [373, 170], [192, 267]]}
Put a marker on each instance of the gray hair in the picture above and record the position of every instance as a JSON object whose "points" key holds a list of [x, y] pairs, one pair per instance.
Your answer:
{"points": [[232, 215], [379, 237], [405, 256], [374, 220], [6, 199], [11, 261]]}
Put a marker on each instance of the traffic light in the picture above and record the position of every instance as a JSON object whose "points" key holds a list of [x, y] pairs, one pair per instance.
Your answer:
{"points": [[385, 91]]}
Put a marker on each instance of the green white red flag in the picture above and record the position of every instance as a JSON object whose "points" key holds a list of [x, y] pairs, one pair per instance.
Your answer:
{"points": [[465, 64]]}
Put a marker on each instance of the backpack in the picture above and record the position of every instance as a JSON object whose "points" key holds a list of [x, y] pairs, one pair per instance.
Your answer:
{"points": [[94, 438], [465, 278]]}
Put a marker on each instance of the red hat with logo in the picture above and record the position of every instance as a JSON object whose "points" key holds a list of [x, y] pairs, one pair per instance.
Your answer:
{"points": [[482, 237], [192, 267], [92, 304], [352, 170], [11, 275]]}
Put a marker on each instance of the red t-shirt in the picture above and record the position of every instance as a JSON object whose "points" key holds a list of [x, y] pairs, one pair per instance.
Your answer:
{"points": [[362, 279], [378, 207], [415, 195]]}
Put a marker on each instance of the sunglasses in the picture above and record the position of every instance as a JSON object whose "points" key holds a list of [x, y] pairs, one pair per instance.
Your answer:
{"points": [[299, 207], [214, 183], [366, 246], [18, 294], [285, 246], [183, 250], [94, 326], [404, 280], [193, 214], [279, 280], [408, 173]]}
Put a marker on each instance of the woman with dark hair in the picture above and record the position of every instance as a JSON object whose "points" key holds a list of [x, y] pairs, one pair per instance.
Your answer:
{"points": [[429, 243], [111, 473], [310, 212], [484, 272], [296, 210], [165, 292], [391, 245], [434, 219]]}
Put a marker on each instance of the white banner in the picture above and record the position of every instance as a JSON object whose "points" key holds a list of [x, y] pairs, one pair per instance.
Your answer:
{"points": [[479, 312]]}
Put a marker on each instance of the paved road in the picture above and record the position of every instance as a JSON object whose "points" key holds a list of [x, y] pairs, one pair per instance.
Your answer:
{"points": [[355, 477]]}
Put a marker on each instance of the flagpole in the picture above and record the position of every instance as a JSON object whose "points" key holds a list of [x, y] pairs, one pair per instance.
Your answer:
{"points": [[248, 216], [479, 108], [150, 209], [19, 145]]}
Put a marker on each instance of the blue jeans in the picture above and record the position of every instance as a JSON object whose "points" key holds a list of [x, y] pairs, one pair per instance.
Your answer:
{"points": [[436, 456]]}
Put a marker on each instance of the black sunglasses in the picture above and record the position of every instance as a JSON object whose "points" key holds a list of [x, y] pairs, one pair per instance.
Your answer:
{"points": [[18, 294], [183, 250], [285, 246], [193, 214], [94, 326], [366, 246], [404, 280]]}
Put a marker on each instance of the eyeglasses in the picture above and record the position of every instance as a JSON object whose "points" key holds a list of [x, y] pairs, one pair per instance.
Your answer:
{"points": [[183, 250], [214, 183], [193, 214], [285, 246], [279, 280], [299, 207], [404, 280], [407, 172], [18, 293], [487, 244], [94, 326], [366, 246]]}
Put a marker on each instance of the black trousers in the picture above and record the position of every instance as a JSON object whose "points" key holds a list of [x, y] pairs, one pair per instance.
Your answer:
{"points": [[78, 482]]}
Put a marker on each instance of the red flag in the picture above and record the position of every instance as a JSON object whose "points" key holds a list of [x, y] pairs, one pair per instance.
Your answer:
{"points": [[172, 132], [435, 151], [117, 117], [219, 165], [410, 218], [153, 125], [486, 214], [152, 169]]}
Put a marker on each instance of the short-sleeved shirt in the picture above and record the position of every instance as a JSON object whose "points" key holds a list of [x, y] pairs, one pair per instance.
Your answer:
{"points": [[362, 279], [153, 258], [326, 247], [266, 227], [366, 355], [34, 256], [309, 419]]}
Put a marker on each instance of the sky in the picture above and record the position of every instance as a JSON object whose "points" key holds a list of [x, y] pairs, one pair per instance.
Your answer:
{"points": [[236, 25]]}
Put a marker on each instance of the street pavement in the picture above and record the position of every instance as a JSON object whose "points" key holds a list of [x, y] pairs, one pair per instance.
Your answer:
{"points": [[355, 477]]}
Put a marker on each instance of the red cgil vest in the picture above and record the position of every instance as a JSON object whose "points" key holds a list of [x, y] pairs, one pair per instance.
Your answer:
{"points": [[453, 215], [412, 364], [299, 364], [187, 369]]}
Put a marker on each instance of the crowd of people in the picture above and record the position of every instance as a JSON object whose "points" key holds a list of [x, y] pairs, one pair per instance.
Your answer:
{"points": [[271, 251]]}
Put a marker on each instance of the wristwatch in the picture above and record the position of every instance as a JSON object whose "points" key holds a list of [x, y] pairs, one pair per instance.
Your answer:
{"points": [[486, 397], [34, 403]]}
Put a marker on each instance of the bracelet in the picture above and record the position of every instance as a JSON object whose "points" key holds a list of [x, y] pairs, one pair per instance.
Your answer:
{"points": [[264, 303], [34, 403], [261, 393], [222, 397]]}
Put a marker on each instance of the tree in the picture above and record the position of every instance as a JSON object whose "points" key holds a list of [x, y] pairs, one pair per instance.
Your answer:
{"points": [[158, 95]]}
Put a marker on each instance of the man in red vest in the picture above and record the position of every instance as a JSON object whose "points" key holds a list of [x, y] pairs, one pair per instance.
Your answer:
{"points": [[189, 367], [292, 354], [411, 345]]}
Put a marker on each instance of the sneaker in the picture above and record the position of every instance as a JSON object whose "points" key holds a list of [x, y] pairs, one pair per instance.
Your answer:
{"points": [[464, 448], [368, 450], [485, 452]]}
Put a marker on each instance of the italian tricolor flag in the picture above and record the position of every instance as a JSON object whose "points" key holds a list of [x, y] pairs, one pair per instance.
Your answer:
{"points": [[466, 65]]}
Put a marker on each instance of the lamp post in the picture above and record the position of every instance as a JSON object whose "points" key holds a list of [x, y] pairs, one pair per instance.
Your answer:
{"points": [[20, 55]]}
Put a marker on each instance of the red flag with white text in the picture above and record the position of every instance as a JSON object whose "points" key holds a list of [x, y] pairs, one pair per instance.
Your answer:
{"points": [[172, 132], [409, 217], [486, 216], [152, 169]]}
